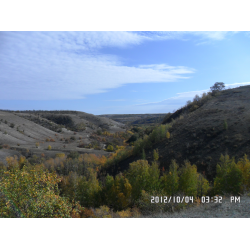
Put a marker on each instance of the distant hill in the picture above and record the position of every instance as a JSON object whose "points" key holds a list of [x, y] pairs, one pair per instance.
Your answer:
{"points": [[136, 119], [64, 131], [202, 131]]}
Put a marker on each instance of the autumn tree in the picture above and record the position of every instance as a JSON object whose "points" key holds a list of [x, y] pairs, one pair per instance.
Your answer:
{"points": [[31, 192]]}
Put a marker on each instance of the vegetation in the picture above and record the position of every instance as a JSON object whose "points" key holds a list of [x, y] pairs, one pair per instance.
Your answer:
{"points": [[218, 86], [72, 187], [77, 185]]}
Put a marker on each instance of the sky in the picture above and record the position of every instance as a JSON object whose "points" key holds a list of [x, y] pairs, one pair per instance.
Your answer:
{"points": [[117, 72]]}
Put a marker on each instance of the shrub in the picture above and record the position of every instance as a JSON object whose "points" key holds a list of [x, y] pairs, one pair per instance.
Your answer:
{"points": [[37, 144], [60, 155], [110, 148], [88, 213], [49, 147], [12, 125], [103, 212], [73, 155], [33, 193], [168, 135]]}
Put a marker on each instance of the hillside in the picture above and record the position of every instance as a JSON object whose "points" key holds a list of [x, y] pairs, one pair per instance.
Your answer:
{"points": [[64, 131], [134, 119], [219, 126]]}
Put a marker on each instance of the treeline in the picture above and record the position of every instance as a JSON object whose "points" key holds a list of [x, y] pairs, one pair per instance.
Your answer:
{"points": [[72, 187]]}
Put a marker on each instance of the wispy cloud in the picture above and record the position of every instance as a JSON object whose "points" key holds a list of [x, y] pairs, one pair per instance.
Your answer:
{"points": [[180, 99], [117, 100], [187, 35], [235, 85], [68, 65]]}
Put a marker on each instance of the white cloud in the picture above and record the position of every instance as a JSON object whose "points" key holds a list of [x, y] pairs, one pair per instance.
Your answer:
{"points": [[203, 36], [179, 100], [235, 85], [67, 65]]}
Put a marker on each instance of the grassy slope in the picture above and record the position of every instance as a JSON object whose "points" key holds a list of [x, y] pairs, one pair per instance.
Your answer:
{"points": [[201, 137]]}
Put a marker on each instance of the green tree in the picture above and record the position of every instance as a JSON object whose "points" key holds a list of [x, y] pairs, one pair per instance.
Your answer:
{"points": [[89, 189], [188, 182], [229, 178], [156, 155], [110, 148], [244, 166], [218, 86], [139, 177], [203, 185], [143, 154], [170, 181], [154, 178]]}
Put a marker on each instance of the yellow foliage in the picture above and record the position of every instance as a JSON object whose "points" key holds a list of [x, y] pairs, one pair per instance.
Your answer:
{"points": [[32, 192], [103, 212], [60, 155], [125, 213], [168, 135]]}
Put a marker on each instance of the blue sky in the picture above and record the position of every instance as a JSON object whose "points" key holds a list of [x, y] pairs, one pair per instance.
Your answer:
{"points": [[117, 72]]}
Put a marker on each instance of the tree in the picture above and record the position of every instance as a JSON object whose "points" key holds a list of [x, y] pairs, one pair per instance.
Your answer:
{"points": [[143, 154], [218, 86], [188, 182], [110, 148], [170, 181], [229, 177]]}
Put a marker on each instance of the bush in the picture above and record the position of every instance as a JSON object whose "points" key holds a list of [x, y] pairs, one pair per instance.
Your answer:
{"points": [[110, 148], [168, 135], [49, 147], [33, 193], [60, 155], [73, 155]]}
